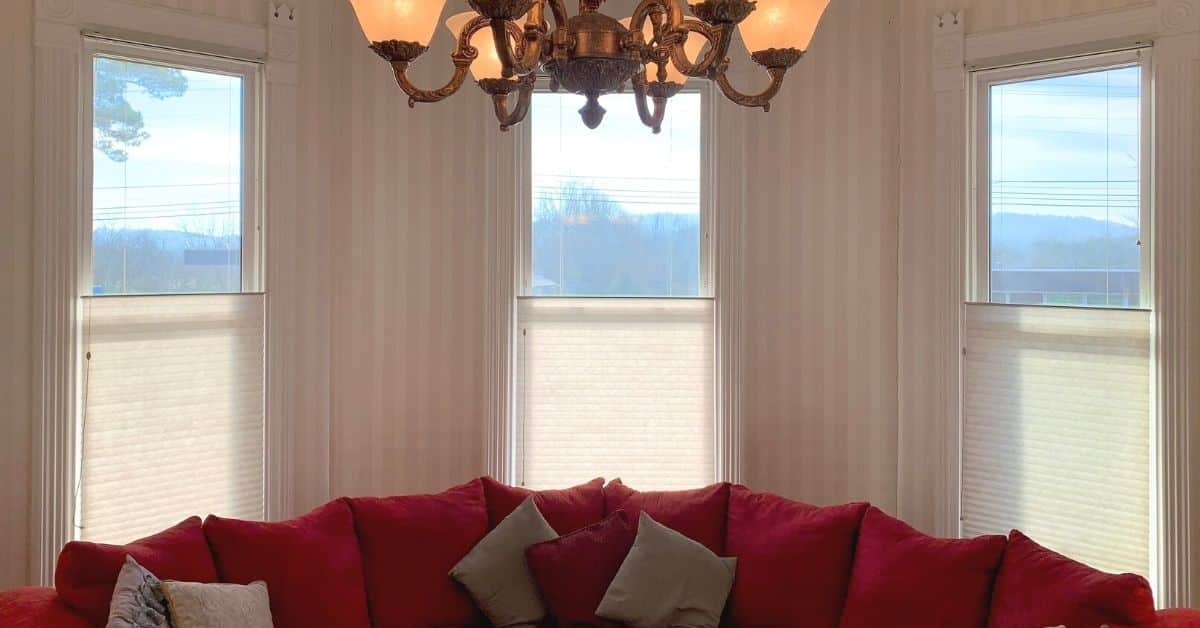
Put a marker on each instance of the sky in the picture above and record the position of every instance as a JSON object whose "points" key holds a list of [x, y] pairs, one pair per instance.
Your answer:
{"points": [[1063, 146], [647, 173], [187, 174], [1068, 146]]}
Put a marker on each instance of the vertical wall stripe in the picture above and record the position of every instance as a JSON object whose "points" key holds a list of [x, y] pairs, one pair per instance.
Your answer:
{"points": [[16, 283]]}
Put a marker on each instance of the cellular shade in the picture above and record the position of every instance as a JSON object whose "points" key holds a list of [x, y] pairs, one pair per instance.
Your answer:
{"points": [[782, 24], [404, 20], [615, 388], [1056, 430], [173, 412]]}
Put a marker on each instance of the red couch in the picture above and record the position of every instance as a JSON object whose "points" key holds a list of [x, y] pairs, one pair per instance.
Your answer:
{"points": [[357, 563]]}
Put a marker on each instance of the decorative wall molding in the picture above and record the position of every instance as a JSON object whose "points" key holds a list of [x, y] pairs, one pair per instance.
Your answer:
{"points": [[502, 242], [949, 47], [283, 44], [1099, 32], [173, 28], [57, 174], [1176, 229], [282, 173]]}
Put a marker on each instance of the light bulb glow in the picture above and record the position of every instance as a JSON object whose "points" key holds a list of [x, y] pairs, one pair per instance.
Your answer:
{"points": [[403, 20], [782, 24], [691, 48], [487, 65]]}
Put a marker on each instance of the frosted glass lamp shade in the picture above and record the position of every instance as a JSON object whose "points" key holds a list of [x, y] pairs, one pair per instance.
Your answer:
{"points": [[782, 24], [402, 20], [487, 65], [692, 47]]}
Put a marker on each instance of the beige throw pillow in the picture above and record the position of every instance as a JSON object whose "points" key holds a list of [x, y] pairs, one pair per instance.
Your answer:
{"points": [[495, 572], [195, 605], [668, 580]]}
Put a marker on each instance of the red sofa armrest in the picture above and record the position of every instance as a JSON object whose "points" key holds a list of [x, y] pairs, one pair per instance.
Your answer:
{"points": [[1178, 618], [36, 607]]}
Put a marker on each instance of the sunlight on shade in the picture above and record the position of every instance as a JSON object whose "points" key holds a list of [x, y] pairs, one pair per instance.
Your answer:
{"points": [[695, 43], [782, 24], [403, 20], [487, 65]]}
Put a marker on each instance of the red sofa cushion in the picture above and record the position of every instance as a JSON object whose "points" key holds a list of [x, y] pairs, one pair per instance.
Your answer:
{"points": [[573, 571], [87, 572], [37, 607], [566, 510], [698, 514], [409, 544], [902, 577], [1039, 587], [311, 565], [794, 559]]}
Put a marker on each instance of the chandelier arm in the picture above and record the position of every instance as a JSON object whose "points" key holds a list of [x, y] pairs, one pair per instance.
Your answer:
{"points": [[651, 118], [761, 99], [670, 8], [527, 55], [559, 10], [415, 94], [719, 37], [511, 118]]}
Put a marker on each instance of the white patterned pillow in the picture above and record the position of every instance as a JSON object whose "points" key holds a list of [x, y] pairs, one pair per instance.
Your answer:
{"points": [[195, 605], [137, 600]]}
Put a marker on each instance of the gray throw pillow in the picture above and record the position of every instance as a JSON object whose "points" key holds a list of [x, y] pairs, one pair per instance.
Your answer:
{"points": [[668, 580], [196, 605], [495, 572], [137, 600]]}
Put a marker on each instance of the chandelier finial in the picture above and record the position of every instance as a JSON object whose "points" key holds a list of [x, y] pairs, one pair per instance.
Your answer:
{"points": [[590, 6]]}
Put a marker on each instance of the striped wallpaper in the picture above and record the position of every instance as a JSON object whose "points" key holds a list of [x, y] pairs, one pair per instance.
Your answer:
{"points": [[377, 265]]}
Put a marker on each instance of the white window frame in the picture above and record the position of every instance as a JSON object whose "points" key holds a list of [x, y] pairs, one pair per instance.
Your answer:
{"points": [[708, 289], [979, 216], [252, 192], [980, 78], [252, 145]]}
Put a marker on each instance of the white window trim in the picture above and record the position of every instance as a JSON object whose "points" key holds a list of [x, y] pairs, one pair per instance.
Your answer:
{"points": [[979, 220], [511, 268], [1173, 27], [59, 29]]}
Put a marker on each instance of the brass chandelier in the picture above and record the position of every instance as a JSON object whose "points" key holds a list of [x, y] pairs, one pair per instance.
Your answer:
{"points": [[656, 49]]}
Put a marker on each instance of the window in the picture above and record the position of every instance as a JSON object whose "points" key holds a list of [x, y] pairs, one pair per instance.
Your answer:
{"points": [[1057, 372], [173, 387], [1061, 198], [615, 341]]}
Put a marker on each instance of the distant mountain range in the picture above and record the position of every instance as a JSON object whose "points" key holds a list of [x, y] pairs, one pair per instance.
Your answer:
{"points": [[1020, 230]]}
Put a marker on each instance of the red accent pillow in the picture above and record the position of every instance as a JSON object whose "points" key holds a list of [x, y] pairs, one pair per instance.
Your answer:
{"points": [[573, 571], [902, 577], [409, 544], [87, 572], [311, 564], [794, 559], [1039, 587], [698, 514], [566, 510]]}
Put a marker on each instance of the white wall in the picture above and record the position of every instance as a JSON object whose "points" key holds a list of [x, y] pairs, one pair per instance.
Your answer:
{"points": [[16, 284]]}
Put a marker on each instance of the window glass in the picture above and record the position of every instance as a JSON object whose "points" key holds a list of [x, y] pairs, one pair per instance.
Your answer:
{"points": [[1064, 189], [167, 183], [616, 211]]}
